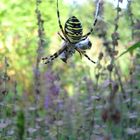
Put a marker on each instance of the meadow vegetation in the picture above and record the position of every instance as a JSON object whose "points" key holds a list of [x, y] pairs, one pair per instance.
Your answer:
{"points": [[74, 101]]}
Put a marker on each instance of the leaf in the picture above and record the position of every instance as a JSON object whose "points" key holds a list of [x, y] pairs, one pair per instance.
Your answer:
{"points": [[20, 124], [130, 49]]}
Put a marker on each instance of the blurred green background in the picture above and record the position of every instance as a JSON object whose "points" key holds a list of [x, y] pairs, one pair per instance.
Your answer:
{"points": [[18, 38], [78, 100]]}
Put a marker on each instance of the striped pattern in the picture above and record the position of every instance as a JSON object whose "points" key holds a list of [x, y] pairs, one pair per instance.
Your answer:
{"points": [[72, 34], [73, 29], [49, 59], [89, 58]]}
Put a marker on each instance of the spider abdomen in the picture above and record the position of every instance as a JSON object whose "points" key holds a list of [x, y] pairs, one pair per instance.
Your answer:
{"points": [[73, 29]]}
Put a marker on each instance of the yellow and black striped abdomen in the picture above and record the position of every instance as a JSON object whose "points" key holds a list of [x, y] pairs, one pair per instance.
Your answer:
{"points": [[73, 29]]}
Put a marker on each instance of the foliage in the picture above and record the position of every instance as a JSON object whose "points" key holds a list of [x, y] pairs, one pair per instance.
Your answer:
{"points": [[77, 100], [131, 49], [20, 124]]}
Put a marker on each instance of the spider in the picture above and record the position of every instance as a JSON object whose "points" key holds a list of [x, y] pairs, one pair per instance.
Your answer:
{"points": [[82, 45], [74, 40]]}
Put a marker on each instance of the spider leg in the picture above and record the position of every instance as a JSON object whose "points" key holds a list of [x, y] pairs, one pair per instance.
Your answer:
{"points": [[59, 22], [79, 51], [87, 34], [54, 56], [95, 21], [91, 30], [88, 58], [61, 37], [83, 52]]}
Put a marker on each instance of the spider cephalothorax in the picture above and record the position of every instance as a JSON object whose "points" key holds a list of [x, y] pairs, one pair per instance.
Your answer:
{"points": [[74, 40], [70, 50]]}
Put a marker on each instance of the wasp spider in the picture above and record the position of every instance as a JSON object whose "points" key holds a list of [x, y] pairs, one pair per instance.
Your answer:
{"points": [[74, 40]]}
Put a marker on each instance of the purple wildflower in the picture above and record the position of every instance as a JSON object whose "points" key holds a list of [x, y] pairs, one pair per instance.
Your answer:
{"points": [[53, 89]]}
